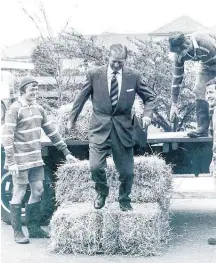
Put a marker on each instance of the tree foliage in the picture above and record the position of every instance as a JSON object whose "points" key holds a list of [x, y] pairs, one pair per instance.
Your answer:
{"points": [[150, 57]]}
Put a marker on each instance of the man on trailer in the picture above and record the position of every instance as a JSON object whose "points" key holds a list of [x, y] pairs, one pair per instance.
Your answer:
{"points": [[196, 47]]}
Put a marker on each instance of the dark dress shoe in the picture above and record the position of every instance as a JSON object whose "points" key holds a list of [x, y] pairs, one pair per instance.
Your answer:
{"points": [[125, 207], [212, 241], [99, 202]]}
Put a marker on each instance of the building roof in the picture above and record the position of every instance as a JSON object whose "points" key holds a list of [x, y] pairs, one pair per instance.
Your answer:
{"points": [[22, 50], [107, 39], [7, 64], [182, 24], [185, 24], [52, 81]]}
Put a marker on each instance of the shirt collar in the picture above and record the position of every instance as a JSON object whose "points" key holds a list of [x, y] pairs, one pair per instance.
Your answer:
{"points": [[23, 102], [110, 71], [195, 45]]}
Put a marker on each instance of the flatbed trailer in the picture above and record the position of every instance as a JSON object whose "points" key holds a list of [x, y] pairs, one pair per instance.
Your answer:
{"points": [[186, 155]]}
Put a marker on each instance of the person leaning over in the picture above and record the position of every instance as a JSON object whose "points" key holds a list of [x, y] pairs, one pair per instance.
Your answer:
{"points": [[199, 47], [21, 140]]}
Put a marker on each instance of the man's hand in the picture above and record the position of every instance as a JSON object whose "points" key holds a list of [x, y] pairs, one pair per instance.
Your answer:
{"points": [[13, 170], [70, 158], [173, 111], [70, 125], [146, 121]]}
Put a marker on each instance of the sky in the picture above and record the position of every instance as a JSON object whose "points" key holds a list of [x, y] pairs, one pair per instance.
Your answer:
{"points": [[98, 16]]}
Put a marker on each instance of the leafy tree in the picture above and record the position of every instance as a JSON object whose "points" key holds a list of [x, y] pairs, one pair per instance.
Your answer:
{"points": [[150, 57]]}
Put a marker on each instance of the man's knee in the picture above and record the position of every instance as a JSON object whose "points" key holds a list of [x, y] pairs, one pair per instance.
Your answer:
{"points": [[94, 168], [126, 176], [97, 172], [19, 191], [37, 189]]}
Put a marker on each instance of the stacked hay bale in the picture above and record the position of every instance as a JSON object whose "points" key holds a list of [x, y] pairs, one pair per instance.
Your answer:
{"points": [[81, 131], [152, 181], [77, 227]]}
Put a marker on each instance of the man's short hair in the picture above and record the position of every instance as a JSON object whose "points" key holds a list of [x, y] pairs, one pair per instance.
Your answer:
{"points": [[211, 82], [119, 48], [176, 40], [24, 83]]}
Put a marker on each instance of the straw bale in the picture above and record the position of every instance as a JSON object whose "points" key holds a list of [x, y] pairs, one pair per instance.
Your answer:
{"points": [[76, 229], [152, 181], [81, 130], [79, 229]]}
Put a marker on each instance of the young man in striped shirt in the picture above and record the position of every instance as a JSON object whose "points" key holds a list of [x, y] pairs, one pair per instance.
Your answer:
{"points": [[197, 47], [211, 99], [21, 140]]}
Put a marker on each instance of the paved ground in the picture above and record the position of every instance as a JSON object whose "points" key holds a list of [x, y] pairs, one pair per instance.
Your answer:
{"points": [[193, 221]]}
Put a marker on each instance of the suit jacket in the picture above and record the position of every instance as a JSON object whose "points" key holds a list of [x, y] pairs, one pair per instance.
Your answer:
{"points": [[103, 118]]}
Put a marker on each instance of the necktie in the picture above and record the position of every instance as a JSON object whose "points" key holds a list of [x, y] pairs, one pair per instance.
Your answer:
{"points": [[114, 91]]}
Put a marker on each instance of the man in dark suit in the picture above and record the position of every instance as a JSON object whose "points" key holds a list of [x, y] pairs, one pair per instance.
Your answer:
{"points": [[112, 89]]}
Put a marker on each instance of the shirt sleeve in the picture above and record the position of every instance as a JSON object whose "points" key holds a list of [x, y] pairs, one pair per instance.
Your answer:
{"points": [[11, 120], [178, 74]]}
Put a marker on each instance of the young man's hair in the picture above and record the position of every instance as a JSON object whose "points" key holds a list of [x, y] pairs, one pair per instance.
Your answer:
{"points": [[118, 48], [176, 40], [23, 88], [211, 82]]}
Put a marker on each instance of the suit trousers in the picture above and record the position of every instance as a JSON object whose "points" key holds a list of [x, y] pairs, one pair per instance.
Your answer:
{"points": [[124, 163]]}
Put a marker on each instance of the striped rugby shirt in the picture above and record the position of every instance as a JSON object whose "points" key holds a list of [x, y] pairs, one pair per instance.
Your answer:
{"points": [[204, 52], [22, 135]]}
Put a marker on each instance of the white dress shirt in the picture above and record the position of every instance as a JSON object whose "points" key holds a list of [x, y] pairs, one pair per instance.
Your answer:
{"points": [[118, 77]]}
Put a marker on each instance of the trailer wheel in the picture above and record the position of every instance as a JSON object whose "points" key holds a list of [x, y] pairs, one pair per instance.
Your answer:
{"points": [[47, 204], [6, 195]]}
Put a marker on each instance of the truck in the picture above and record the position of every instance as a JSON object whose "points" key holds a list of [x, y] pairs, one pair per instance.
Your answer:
{"points": [[186, 155]]}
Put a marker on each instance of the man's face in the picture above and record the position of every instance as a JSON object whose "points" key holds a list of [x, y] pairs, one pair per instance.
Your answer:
{"points": [[116, 60], [211, 95], [31, 92], [183, 49]]}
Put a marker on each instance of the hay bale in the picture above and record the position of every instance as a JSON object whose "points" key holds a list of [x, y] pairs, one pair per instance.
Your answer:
{"points": [[110, 230], [82, 124], [80, 229], [152, 181], [76, 229], [143, 232]]}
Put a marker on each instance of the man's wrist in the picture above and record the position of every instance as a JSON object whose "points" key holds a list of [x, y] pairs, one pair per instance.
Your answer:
{"points": [[12, 166]]}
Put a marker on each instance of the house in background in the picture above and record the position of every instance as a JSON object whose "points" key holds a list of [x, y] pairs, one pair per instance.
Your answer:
{"points": [[183, 24], [17, 58], [23, 50]]}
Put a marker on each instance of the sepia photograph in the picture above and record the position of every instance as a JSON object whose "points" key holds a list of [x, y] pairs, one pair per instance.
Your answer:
{"points": [[108, 131]]}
